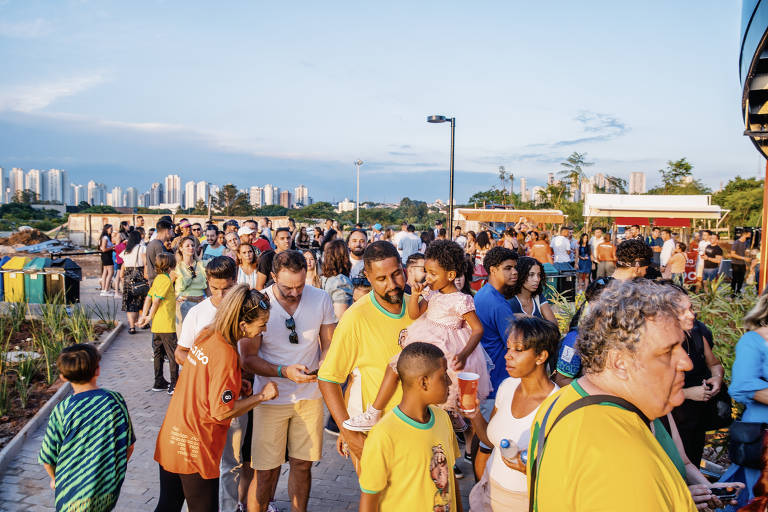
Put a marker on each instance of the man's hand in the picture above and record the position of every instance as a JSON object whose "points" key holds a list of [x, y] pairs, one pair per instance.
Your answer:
{"points": [[713, 384], [355, 442], [298, 373], [697, 393], [269, 391], [246, 388], [341, 447]]}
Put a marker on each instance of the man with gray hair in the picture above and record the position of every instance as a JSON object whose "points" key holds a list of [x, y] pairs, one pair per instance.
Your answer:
{"points": [[600, 451]]}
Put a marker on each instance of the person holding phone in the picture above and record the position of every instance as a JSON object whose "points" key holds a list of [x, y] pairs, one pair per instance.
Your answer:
{"points": [[289, 353]]}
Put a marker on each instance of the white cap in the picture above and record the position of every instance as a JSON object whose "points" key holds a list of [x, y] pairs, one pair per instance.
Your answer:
{"points": [[245, 230]]}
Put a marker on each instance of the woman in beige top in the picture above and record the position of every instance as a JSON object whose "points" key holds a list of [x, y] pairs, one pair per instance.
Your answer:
{"points": [[677, 262]]}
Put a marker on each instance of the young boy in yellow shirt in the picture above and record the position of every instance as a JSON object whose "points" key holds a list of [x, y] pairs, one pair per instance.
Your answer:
{"points": [[160, 308], [408, 457]]}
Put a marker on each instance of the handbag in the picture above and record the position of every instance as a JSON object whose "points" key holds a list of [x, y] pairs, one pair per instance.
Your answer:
{"points": [[138, 288], [718, 413], [745, 446]]}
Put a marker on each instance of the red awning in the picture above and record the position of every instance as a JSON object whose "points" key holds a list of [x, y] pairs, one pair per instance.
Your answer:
{"points": [[672, 223], [630, 221]]}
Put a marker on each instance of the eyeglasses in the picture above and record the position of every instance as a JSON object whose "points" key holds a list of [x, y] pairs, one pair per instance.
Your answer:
{"points": [[290, 324]]}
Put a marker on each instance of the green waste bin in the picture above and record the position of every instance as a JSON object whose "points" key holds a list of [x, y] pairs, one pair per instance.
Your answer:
{"points": [[13, 279], [34, 280]]}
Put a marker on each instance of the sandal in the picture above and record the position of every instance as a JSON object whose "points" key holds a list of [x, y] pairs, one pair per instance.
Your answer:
{"points": [[132, 330]]}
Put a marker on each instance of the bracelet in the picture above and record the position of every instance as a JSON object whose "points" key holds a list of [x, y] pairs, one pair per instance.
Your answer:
{"points": [[279, 370]]}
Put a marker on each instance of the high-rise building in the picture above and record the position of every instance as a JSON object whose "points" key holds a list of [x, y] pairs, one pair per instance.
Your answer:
{"points": [[172, 189], [550, 178], [301, 196], [3, 185], [637, 183], [156, 196], [77, 193], [16, 182], [269, 194], [600, 182], [34, 182], [97, 193], [285, 199], [523, 190], [345, 206], [256, 197], [201, 192], [587, 186], [131, 197], [57, 186], [190, 195], [143, 201], [115, 197]]}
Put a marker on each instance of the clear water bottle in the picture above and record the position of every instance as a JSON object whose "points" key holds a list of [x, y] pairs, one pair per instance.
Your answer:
{"points": [[508, 449]]}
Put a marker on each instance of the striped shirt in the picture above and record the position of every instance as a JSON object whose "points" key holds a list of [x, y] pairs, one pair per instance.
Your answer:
{"points": [[87, 441]]}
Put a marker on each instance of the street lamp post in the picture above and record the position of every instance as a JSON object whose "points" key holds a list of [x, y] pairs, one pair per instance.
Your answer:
{"points": [[358, 163], [452, 120]]}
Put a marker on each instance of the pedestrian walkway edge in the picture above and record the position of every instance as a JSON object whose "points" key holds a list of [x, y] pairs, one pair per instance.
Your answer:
{"points": [[12, 449]]}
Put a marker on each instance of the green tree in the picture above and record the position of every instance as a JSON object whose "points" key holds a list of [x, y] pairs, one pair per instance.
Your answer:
{"points": [[573, 171], [411, 211], [321, 210], [677, 179], [99, 209], [271, 210], [24, 197], [744, 197], [616, 185], [230, 202]]}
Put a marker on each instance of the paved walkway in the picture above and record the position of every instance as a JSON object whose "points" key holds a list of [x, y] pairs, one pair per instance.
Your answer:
{"points": [[127, 367]]}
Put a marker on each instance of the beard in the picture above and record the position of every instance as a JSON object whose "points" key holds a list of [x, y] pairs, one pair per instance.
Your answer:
{"points": [[357, 252], [395, 296]]}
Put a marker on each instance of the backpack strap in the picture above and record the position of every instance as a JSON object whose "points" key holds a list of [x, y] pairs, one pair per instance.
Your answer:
{"points": [[574, 406]]}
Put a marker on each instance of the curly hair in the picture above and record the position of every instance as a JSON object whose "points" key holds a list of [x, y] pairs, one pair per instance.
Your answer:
{"points": [[497, 256], [633, 253], [336, 259], [617, 319], [449, 255], [524, 266]]}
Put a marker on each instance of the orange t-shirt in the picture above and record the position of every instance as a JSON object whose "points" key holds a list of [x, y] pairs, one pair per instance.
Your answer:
{"points": [[541, 251], [191, 440], [606, 252]]}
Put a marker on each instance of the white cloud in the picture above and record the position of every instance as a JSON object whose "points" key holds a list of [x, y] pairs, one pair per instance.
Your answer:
{"points": [[24, 29], [28, 98]]}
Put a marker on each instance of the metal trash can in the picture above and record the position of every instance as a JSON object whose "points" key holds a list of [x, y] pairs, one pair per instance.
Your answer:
{"points": [[62, 281], [34, 280], [13, 279]]}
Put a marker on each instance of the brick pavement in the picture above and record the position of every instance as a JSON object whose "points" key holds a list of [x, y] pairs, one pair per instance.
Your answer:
{"points": [[127, 368]]}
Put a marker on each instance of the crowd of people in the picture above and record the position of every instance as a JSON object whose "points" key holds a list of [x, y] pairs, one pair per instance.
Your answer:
{"points": [[263, 329]]}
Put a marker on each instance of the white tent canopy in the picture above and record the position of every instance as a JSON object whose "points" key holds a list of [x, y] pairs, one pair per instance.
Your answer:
{"points": [[672, 206]]}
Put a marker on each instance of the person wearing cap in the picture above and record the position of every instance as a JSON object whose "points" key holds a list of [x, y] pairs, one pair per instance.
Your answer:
{"points": [[377, 234], [633, 256], [245, 235], [231, 226], [185, 230]]}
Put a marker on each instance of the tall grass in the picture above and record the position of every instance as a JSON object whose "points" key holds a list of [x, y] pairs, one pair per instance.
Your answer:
{"points": [[106, 313], [80, 326], [26, 368]]}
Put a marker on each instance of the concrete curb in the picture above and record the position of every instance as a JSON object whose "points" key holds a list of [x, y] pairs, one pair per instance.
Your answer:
{"points": [[12, 449]]}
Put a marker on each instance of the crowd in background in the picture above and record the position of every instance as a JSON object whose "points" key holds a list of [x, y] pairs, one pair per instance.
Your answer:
{"points": [[263, 327]]}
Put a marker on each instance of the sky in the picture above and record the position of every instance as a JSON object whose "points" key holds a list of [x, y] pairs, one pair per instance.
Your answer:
{"points": [[252, 92]]}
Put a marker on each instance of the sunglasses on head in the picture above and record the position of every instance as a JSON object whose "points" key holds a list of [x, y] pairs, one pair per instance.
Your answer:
{"points": [[290, 324], [263, 302]]}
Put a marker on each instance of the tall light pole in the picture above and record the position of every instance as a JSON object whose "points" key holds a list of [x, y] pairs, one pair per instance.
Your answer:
{"points": [[358, 163], [443, 119]]}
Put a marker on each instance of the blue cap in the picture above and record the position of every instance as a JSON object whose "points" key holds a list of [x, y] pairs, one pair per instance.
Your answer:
{"points": [[504, 443], [377, 226]]}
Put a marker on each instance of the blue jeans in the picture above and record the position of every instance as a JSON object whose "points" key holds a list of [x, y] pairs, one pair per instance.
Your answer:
{"points": [[709, 274]]}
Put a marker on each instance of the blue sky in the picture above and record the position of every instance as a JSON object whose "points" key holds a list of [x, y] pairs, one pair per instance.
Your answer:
{"points": [[254, 92]]}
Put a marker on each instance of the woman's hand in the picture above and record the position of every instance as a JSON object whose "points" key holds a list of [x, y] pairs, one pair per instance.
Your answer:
{"points": [[269, 391], [416, 289], [341, 447], [714, 384], [697, 393], [516, 463], [173, 275]]}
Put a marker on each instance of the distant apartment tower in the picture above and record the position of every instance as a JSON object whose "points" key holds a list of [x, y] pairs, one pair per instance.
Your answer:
{"points": [[57, 186], [156, 196], [16, 182], [523, 190], [286, 200], [301, 195], [214, 190], [256, 197], [269, 194], [97, 193], [77, 193], [34, 182], [172, 189], [599, 182], [550, 178], [587, 186], [3, 185], [131, 197], [536, 194], [143, 201], [190, 194], [115, 197], [346, 206], [201, 192], [637, 183]]}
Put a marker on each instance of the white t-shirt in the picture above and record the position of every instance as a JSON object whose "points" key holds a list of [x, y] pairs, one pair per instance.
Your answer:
{"points": [[517, 430], [357, 268], [133, 258], [666, 252], [560, 247], [199, 317], [315, 309], [461, 240]]}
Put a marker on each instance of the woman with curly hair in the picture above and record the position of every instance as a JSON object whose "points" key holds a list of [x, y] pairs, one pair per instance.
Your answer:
{"points": [[335, 280], [528, 298]]}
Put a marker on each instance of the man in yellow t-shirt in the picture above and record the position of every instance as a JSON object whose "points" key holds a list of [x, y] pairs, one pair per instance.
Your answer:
{"points": [[603, 457], [367, 337], [409, 455]]}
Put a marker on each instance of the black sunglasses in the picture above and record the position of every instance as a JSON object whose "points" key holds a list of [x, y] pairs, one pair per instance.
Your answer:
{"points": [[263, 302], [290, 324]]}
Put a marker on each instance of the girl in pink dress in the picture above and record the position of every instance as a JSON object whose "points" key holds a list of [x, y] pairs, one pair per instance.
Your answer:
{"points": [[445, 318]]}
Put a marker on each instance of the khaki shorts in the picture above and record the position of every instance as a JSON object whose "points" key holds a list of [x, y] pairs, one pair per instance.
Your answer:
{"points": [[297, 427]]}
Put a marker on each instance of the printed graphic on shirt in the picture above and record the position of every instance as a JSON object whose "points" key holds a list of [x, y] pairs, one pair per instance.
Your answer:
{"points": [[227, 396], [401, 337], [439, 471]]}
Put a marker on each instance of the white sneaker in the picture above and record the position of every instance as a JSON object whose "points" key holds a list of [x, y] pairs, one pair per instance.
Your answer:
{"points": [[105, 293], [363, 422], [272, 507]]}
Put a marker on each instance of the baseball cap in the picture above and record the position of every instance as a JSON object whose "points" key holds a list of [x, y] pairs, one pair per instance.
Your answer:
{"points": [[231, 222], [377, 226], [245, 230]]}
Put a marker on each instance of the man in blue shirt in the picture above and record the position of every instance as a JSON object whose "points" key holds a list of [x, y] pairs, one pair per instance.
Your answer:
{"points": [[656, 243]]}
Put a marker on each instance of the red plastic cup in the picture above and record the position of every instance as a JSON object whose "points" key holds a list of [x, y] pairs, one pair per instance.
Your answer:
{"points": [[467, 391]]}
